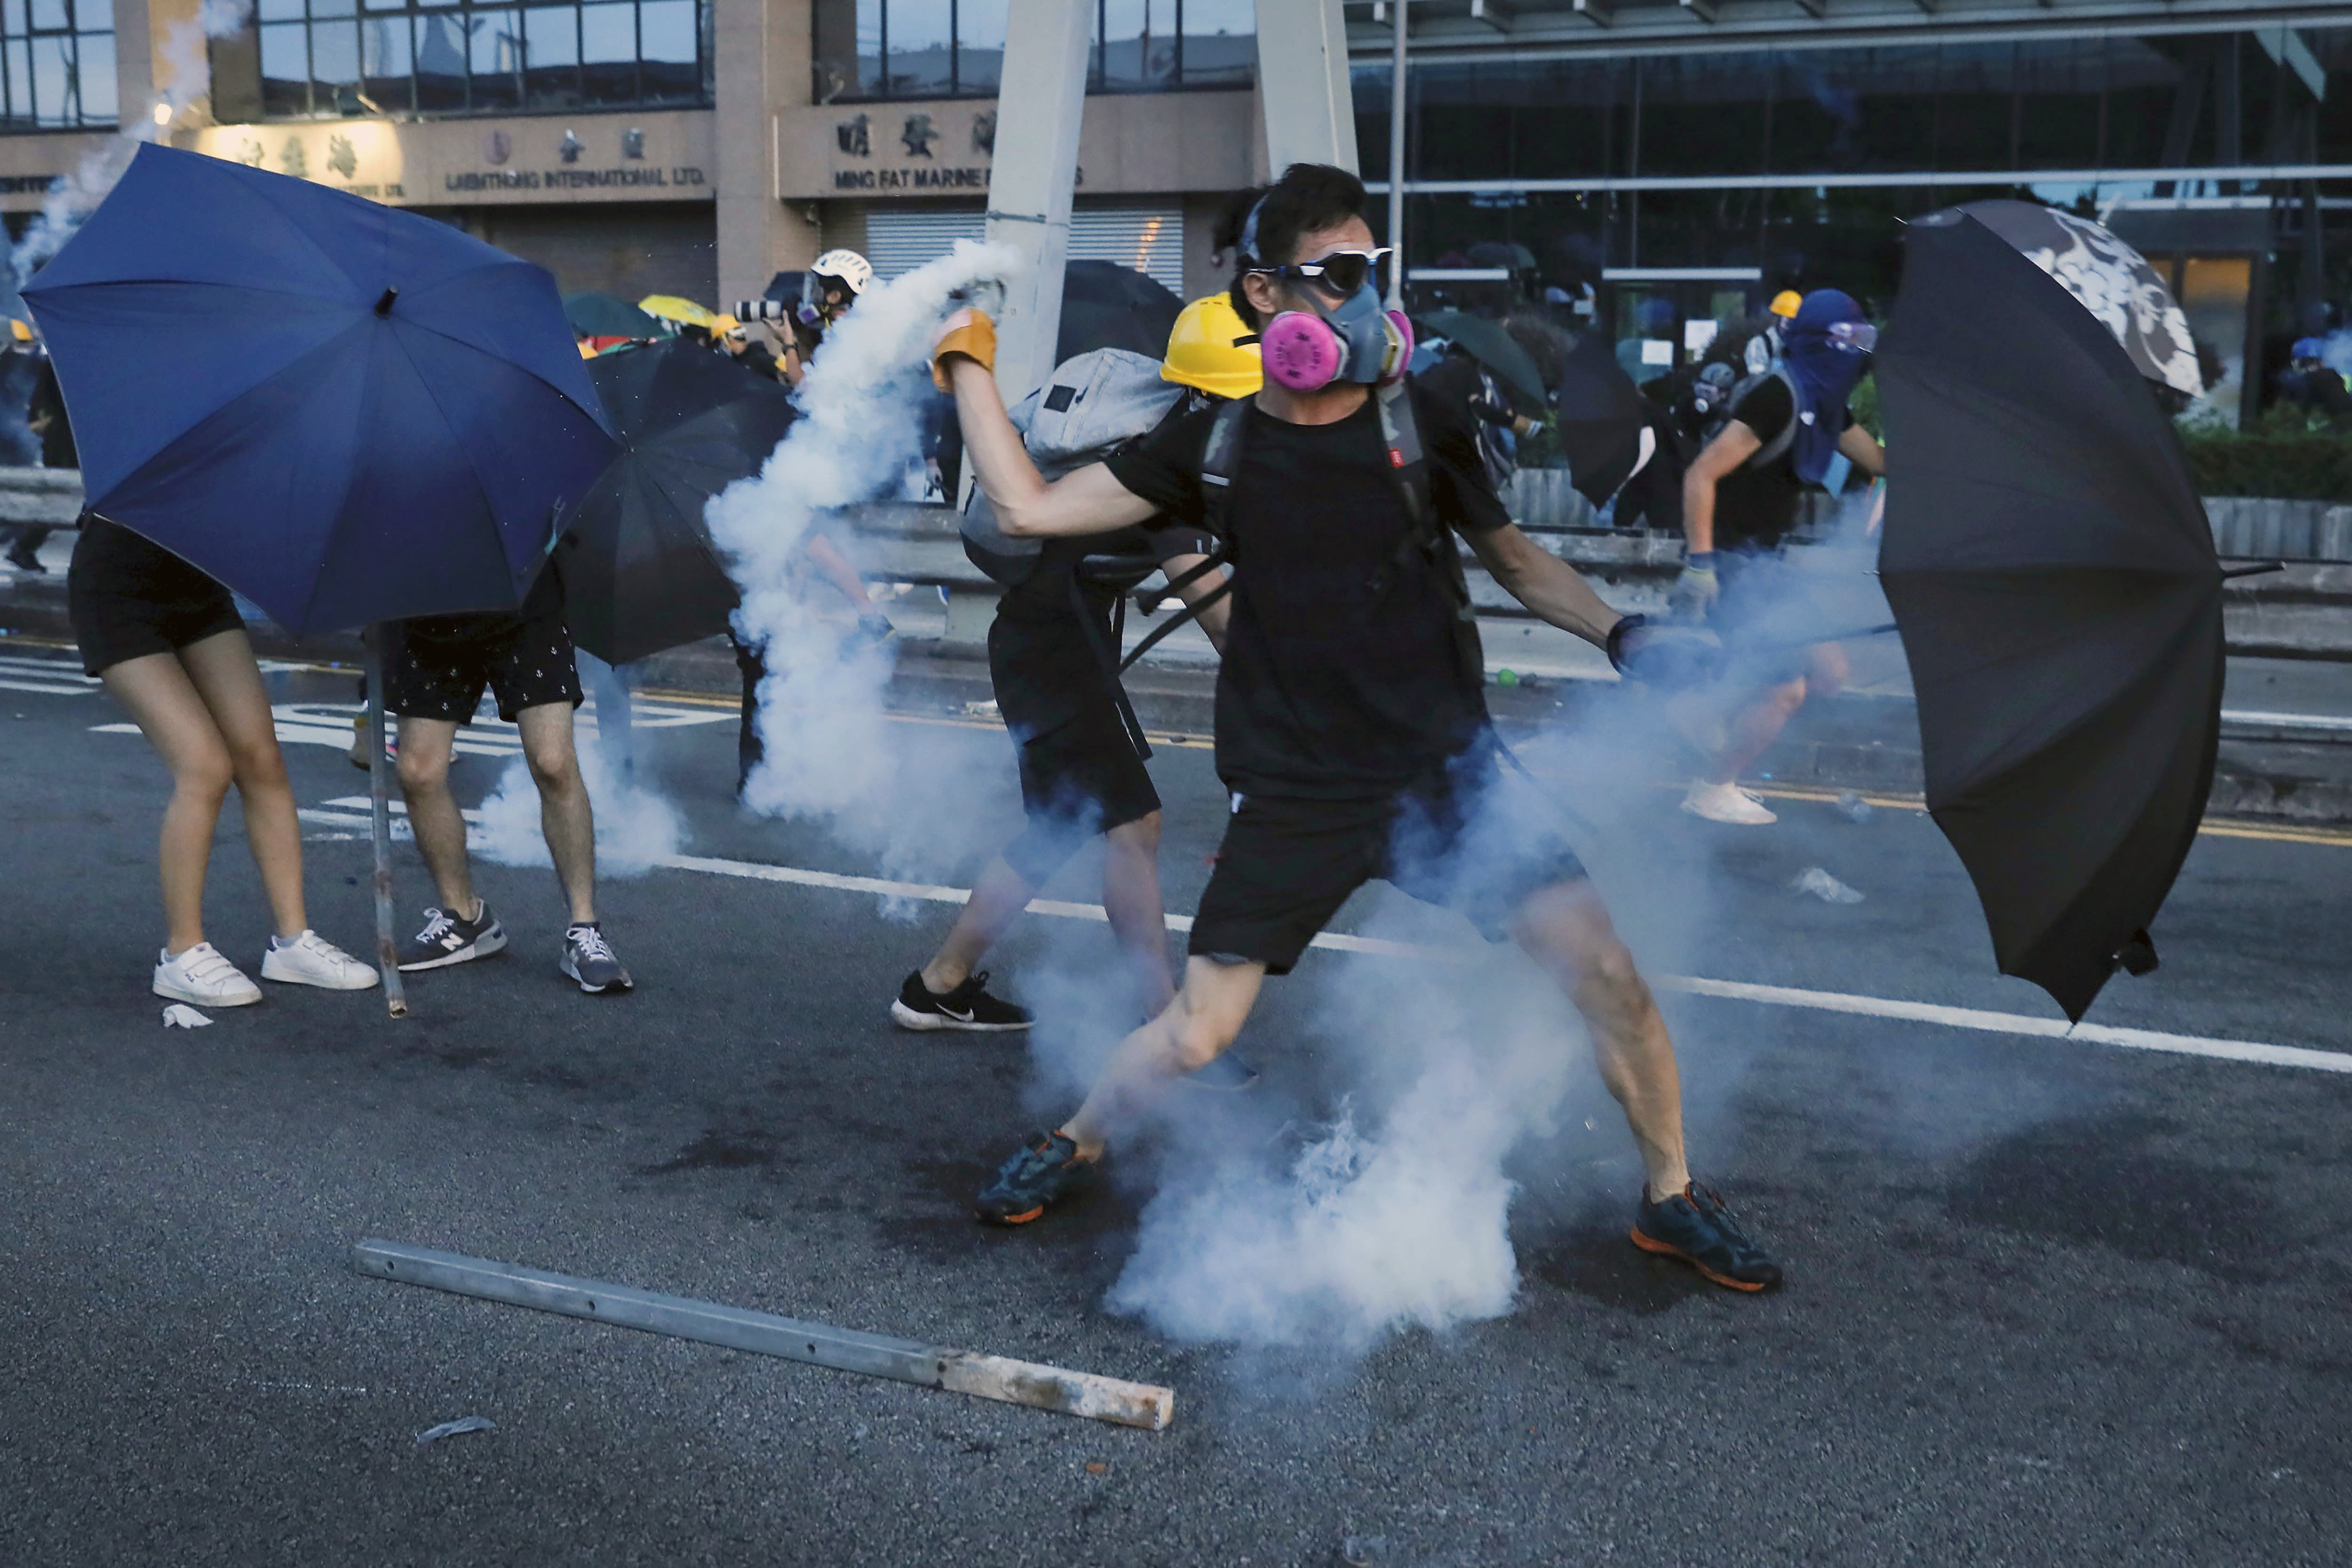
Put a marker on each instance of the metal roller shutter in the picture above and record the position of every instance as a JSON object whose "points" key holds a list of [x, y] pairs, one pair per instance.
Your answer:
{"points": [[1150, 240]]}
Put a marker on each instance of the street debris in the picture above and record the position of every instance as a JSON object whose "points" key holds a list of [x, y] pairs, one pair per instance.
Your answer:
{"points": [[180, 1015], [1364, 1550], [1854, 808], [1817, 883], [457, 1429]]}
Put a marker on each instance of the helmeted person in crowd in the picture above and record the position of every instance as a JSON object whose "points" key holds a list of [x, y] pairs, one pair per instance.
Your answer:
{"points": [[1351, 723], [1739, 500], [1052, 660], [831, 286], [734, 338], [28, 380], [2317, 388]]}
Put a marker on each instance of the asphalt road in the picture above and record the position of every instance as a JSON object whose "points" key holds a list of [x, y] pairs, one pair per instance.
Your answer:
{"points": [[2049, 1300]]}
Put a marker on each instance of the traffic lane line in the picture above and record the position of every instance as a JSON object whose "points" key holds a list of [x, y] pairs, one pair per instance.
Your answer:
{"points": [[1977, 1019]]}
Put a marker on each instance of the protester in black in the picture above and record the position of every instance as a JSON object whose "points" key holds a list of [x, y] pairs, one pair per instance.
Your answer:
{"points": [[435, 671], [1049, 653], [1350, 724], [169, 645], [1739, 500], [46, 422]]}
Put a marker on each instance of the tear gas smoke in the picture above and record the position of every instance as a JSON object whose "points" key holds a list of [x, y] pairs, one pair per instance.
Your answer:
{"points": [[831, 754], [635, 827]]}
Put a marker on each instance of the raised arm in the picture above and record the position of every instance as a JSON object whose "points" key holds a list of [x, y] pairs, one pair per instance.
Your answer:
{"points": [[1088, 501], [1545, 583]]}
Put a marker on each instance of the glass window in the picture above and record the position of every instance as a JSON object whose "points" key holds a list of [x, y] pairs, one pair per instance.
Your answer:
{"points": [[980, 45], [1138, 45], [56, 64], [1220, 42], [320, 58], [1700, 114], [847, 49], [2061, 98], [919, 37], [551, 58]]}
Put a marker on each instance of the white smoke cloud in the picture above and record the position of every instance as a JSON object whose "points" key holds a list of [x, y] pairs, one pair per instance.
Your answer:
{"points": [[831, 754], [635, 827]]}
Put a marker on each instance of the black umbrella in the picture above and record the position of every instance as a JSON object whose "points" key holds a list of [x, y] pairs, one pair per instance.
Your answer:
{"points": [[1107, 306], [2053, 576], [640, 573], [2111, 280], [1600, 419], [604, 316], [1492, 347]]}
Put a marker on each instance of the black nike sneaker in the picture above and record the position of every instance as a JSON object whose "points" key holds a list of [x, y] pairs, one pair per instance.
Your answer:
{"points": [[1046, 1170], [446, 940], [1697, 1227], [967, 1007]]}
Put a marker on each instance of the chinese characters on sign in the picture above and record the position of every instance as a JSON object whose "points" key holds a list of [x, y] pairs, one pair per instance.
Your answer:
{"points": [[919, 135]]}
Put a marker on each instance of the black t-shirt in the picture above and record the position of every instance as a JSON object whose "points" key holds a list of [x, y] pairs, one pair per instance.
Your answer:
{"points": [[542, 606], [1755, 504], [1343, 677], [1047, 668]]}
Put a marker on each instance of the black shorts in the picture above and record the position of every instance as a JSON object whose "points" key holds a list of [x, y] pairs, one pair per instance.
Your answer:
{"points": [[438, 666], [128, 598], [1473, 841]]}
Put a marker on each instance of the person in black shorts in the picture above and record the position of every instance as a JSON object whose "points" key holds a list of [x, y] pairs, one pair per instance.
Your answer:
{"points": [[1739, 499], [1351, 725], [1081, 774], [170, 647], [434, 671]]}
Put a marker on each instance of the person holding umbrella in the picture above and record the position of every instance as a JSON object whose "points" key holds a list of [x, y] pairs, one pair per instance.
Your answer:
{"points": [[434, 678], [170, 647], [1739, 499]]}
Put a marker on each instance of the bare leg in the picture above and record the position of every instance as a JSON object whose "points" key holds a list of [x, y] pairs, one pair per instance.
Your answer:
{"points": [[433, 813], [1758, 725], [838, 572], [565, 814], [229, 681], [996, 901], [1138, 917], [1191, 1033], [1567, 930], [164, 703]]}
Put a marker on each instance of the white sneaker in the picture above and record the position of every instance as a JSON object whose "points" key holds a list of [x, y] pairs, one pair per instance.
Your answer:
{"points": [[311, 960], [203, 976], [1726, 803]]}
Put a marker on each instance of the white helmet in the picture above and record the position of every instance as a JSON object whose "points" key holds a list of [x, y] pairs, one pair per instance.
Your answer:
{"points": [[844, 267]]}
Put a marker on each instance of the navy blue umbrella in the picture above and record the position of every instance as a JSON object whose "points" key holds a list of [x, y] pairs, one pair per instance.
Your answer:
{"points": [[347, 412]]}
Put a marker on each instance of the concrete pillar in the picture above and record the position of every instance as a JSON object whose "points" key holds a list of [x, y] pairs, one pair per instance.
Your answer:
{"points": [[134, 62], [1039, 104], [763, 60], [1311, 114]]}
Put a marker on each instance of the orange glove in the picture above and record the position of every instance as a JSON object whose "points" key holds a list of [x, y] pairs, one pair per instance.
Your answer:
{"points": [[968, 332]]}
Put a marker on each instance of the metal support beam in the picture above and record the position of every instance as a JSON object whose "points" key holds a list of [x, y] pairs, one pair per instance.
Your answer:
{"points": [[1038, 105], [765, 1334], [1704, 10], [1302, 72], [2285, 48], [1495, 13], [1398, 104], [1814, 8], [1600, 13]]}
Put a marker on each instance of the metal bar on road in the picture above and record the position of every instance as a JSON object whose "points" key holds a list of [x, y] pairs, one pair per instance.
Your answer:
{"points": [[387, 962], [763, 1333]]}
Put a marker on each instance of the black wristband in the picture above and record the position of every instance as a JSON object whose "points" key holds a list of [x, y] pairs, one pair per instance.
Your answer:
{"points": [[1615, 644]]}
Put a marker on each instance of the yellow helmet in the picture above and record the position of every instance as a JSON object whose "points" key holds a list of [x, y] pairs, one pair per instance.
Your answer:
{"points": [[20, 330], [1215, 349], [1787, 302]]}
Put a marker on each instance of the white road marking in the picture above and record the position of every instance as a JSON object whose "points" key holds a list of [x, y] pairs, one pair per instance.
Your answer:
{"points": [[2019, 1024], [45, 690], [2286, 720]]}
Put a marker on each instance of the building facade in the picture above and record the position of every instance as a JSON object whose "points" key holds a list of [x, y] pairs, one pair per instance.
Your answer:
{"points": [[1651, 164]]}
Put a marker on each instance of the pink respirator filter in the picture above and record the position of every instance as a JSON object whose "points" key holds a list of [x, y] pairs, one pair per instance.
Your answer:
{"points": [[1301, 350]]}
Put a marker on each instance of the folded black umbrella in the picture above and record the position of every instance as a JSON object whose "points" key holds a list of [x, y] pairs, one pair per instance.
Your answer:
{"points": [[2054, 577], [640, 573], [1600, 416], [1487, 341], [604, 316]]}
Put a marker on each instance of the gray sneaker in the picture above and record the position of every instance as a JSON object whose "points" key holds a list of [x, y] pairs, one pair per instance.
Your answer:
{"points": [[588, 958]]}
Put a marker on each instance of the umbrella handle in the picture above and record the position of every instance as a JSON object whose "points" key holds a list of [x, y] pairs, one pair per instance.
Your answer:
{"points": [[2256, 569], [387, 962]]}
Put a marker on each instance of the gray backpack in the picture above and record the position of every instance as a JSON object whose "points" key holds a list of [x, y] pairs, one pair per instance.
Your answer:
{"points": [[1091, 405]]}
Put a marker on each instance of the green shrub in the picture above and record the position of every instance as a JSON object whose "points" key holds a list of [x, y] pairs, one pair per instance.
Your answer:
{"points": [[2278, 457]]}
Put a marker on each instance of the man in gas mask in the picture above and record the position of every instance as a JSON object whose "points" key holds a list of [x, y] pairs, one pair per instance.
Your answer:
{"points": [[1351, 723]]}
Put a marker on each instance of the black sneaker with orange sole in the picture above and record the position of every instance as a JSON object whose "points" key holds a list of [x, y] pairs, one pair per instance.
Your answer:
{"points": [[1046, 1171], [1695, 1227]]}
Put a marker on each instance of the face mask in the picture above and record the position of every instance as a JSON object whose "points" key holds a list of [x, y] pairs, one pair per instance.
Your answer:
{"points": [[1358, 341]]}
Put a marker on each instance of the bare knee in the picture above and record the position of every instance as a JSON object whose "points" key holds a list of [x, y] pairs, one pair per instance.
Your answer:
{"points": [[1140, 836], [258, 763], [555, 767], [1199, 1039], [1788, 695], [1568, 928], [420, 771], [204, 773], [1829, 671]]}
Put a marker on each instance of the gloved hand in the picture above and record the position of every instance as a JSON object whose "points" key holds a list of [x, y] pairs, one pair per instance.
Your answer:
{"points": [[1695, 591], [968, 332], [1663, 654]]}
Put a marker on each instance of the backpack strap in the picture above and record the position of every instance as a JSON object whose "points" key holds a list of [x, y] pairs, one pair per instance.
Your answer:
{"points": [[1425, 532], [1221, 459]]}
